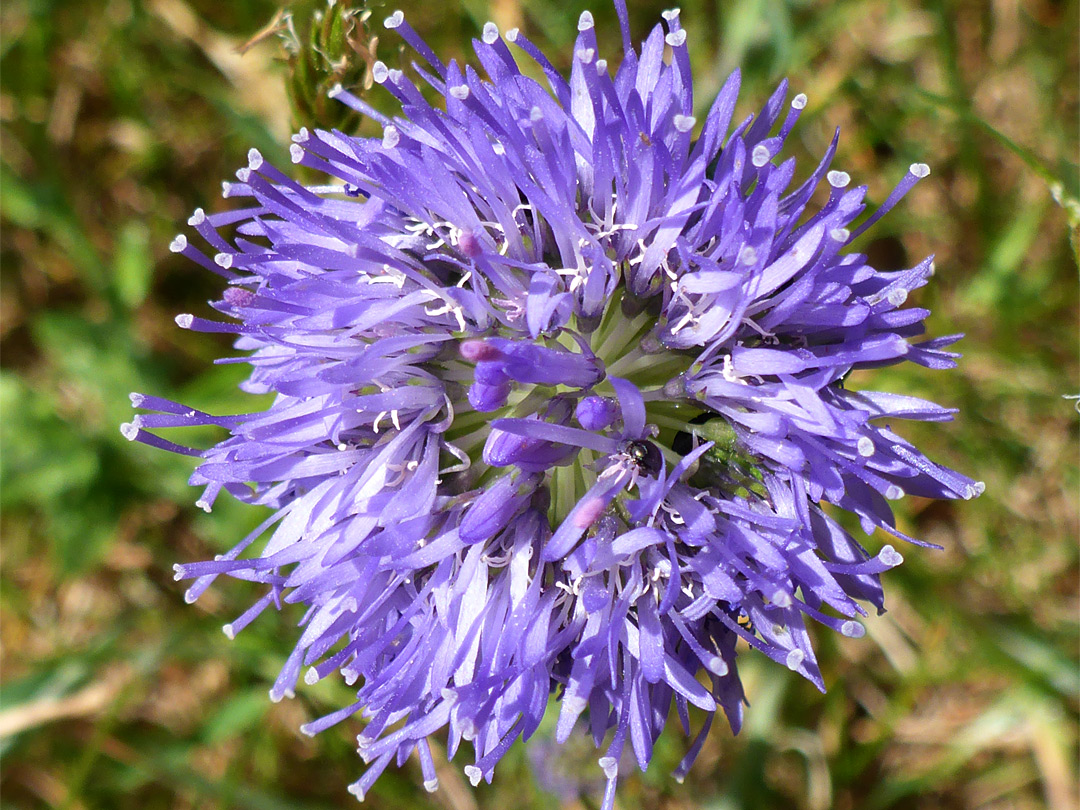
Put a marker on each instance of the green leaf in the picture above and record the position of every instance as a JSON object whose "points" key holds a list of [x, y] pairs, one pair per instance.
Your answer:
{"points": [[1041, 658], [133, 264], [1001, 276], [237, 716], [43, 458]]}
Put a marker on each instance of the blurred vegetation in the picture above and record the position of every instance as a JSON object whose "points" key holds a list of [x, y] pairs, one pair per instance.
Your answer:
{"points": [[118, 118]]}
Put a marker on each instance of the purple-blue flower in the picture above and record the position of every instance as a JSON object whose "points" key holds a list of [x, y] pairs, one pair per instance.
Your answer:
{"points": [[559, 396]]}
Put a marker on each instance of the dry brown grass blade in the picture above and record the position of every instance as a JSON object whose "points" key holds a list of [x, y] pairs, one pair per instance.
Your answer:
{"points": [[88, 701], [258, 85], [276, 25]]}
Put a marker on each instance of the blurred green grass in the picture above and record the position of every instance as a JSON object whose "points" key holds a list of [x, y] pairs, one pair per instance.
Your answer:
{"points": [[118, 118]]}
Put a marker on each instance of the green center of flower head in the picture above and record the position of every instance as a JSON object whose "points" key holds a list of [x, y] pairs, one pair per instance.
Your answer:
{"points": [[624, 342]]}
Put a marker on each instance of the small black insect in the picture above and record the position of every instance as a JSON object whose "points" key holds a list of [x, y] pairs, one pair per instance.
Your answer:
{"points": [[645, 455]]}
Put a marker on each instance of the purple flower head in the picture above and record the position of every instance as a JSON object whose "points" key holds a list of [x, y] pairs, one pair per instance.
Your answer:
{"points": [[559, 395]]}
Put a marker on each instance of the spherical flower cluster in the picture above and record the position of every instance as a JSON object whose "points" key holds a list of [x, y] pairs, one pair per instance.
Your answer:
{"points": [[559, 398]]}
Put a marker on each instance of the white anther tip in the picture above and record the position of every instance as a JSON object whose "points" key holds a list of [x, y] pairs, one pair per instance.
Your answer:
{"points": [[491, 33], [223, 260], [838, 179], [179, 244], [255, 159], [512, 35], [198, 217], [684, 123], [460, 92], [852, 629], [335, 91], [184, 320], [974, 490], [670, 14], [394, 20], [129, 431], [799, 102], [920, 170], [379, 72], [865, 446], [229, 631], [585, 21], [894, 493], [391, 137], [760, 156], [431, 785], [794, 659], [717, 665], [474, 774], [840, 234], [676, 38], [897, 296], [610, 766], [890, 556]]}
